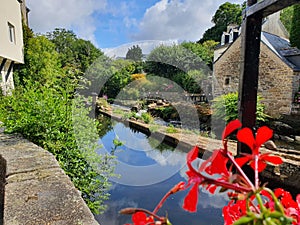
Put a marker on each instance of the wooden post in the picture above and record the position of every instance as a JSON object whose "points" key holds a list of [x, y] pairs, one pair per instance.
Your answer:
{"points": [[248, 83]]}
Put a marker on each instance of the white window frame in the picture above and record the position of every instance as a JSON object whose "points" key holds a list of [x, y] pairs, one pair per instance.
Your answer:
{"points": [[11, 33]]}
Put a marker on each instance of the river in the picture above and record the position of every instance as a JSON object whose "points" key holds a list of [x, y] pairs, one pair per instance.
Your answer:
{"points": [[148, 169]]}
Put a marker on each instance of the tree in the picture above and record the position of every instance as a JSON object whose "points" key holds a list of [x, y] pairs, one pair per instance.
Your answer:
{"points": [[226, 14], [286, 17], [178, 64], [44, 110], [74, 52], [166, 61], [134, 53], [205, 51], [295, 27], [42, 63]]}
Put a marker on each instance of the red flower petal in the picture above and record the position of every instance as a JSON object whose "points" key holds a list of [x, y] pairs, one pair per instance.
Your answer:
{"points": [[242, 160], [218, 163], [276, 160], [245, 136], [261, 165], [211, 188], [190, 201], [231, 126], [139, 218], [263, 134], [298, 201], [285, 198], [193, 154]]}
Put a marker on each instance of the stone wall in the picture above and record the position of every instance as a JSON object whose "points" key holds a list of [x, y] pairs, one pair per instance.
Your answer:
{"points": [[2, 187], [277, 81], [34, 189]]}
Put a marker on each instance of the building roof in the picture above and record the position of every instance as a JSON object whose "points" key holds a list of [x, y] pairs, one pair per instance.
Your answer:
{"points": [[279, 46], [282, 48]]}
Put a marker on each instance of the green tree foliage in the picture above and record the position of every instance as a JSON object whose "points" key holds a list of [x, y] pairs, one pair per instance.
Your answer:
{"points": [[178, 64], [166, 61], [189, 81], [120, 78], [295, 27], [227, 13], [134, 53], [42, 62], [286, 17], [74, 52], [205, 51], [225, 108], [44, 108], [20, 69]]}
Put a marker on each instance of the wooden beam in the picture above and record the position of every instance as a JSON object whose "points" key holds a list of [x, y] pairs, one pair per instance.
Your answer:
{"points": [[248, 83], [268, 7]]}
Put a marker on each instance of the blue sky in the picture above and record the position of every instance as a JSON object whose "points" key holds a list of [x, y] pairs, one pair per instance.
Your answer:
{"points": [[111, 23]]}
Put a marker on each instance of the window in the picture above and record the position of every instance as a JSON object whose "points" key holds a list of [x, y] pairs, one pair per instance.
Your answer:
{"points": [[227, 80], [11, 32]]}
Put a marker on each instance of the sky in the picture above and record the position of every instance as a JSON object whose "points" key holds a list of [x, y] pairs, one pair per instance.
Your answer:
{"points": [[112, 23]]}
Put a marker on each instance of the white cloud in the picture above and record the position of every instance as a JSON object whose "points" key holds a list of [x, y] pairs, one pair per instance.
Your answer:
{"points": [[178, 19], [77, 15], [146, 46]]}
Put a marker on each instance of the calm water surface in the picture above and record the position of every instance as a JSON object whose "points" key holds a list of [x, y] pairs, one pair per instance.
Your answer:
{"points": [[148, 170]]}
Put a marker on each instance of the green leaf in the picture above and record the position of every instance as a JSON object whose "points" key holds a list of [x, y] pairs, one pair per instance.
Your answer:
{"points": [[243, 220]]}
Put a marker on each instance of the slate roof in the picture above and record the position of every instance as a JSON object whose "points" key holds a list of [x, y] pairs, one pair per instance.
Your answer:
{"points": [[282, 48]]}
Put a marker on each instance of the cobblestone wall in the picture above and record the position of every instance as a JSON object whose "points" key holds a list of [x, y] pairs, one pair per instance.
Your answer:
{"points": [[277, 81]]}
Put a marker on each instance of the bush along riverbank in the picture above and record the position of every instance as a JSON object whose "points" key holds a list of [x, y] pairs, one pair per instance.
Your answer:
{"points": [[46, 110]]}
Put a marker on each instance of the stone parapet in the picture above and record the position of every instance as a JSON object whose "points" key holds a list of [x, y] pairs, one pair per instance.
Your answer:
{"points": [[34, 189]]}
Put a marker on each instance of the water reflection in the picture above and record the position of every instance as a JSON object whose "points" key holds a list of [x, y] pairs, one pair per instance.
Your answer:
{"points": [[148, 170]]}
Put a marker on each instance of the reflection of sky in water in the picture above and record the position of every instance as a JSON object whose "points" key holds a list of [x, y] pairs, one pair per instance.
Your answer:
{"points": [[146, 175]]}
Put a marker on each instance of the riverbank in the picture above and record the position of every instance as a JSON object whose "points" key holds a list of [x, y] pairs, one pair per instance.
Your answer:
{"points": [[286, 175]]}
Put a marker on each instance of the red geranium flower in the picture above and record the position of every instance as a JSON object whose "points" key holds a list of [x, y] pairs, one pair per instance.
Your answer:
{"points": [[195, 178], [292, 208], [245, 136], [233, 211], [140, 218], [215, 165]]}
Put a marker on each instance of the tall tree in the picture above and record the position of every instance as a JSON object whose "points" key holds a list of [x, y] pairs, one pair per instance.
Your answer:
{"points": [[205, 51], [295, 27], [74, 52], [226, 14], [134, 53]]}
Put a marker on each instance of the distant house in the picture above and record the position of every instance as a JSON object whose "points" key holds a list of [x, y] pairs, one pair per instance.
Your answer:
{"points": [[11, 40], [279, 69]]}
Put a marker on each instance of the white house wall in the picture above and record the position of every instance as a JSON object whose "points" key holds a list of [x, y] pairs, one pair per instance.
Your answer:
{"points": [[10, 14]]}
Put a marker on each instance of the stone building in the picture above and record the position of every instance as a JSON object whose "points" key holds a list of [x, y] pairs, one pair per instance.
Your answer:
{"points": [[279, 69], [11, 40]]}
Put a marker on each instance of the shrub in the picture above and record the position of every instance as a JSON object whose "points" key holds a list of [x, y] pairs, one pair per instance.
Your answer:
{"points": [[46, 116], [146, 117], [225, 108]]}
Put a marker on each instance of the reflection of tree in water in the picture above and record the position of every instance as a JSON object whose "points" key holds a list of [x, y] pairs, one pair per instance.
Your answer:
{"points": [[158, 145], [104, 125]]}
